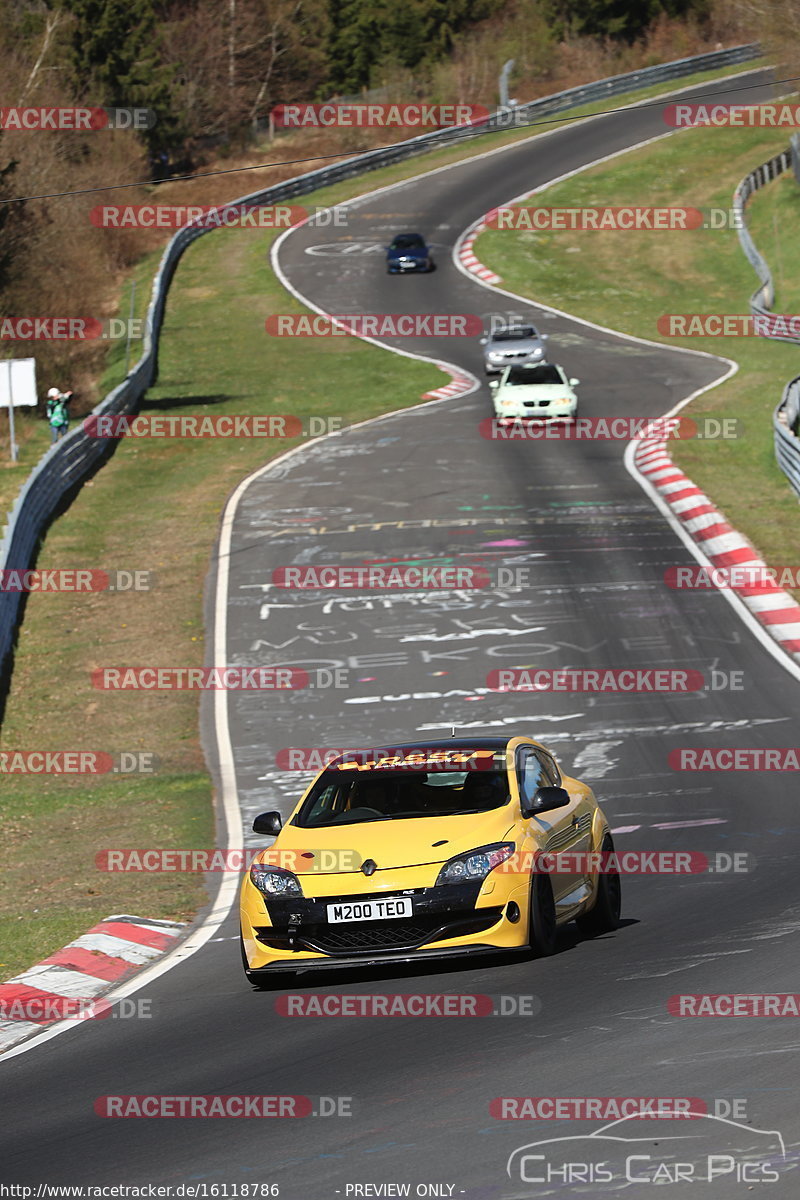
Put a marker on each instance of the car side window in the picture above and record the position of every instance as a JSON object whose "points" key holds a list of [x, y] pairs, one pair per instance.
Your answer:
{"points": [[530, 775], [551, 773]]}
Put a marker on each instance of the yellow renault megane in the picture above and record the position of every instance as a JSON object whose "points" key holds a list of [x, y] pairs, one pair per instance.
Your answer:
{"points": [[457, 848]]}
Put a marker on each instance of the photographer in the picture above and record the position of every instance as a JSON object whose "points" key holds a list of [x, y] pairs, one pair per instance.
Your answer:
{"points": [[57, 413]]}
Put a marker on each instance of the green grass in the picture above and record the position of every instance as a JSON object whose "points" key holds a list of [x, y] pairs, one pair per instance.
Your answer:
{"points": [[773, 218], [626, 280]]}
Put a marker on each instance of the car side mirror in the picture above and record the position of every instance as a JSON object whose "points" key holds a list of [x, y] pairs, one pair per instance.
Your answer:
{"points": [[483, 341], [545, 799], [268, 822], [574, 382], [543, 337], [494, 383]]}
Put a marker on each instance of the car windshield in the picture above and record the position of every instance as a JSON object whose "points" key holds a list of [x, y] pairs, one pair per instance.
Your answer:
{"points": [[408, 241], [514, 335], [344, 797], [542, 373]]}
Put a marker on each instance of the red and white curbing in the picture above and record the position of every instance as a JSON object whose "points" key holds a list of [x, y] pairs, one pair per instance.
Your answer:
{"points": [[459, 383], [470, 260], [84, 970], [722, 545]]}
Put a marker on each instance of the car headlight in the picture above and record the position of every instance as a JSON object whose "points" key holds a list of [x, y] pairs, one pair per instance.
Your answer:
{"points": [[507, 403], [274, 881], [475, 864]]}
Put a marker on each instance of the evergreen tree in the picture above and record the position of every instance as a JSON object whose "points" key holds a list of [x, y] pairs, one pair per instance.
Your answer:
{"points": [[623, 20], [116, 62], [364, 33]]}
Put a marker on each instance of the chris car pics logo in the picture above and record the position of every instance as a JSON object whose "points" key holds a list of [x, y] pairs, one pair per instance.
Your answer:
{"points": [[618, 1156]]}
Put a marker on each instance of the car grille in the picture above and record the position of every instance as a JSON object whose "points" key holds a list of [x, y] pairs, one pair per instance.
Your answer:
{"points": [[365, 937], [536, 403]]}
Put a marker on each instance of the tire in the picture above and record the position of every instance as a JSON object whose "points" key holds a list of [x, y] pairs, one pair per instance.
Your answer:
{"points": [[604, 916], [258, 981], [542, 928]]}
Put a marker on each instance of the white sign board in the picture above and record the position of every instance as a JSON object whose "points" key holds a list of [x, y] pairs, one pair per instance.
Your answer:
{"points": [[18, 382]]}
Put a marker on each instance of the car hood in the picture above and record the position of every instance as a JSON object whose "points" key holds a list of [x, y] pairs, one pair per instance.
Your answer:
{"points": [[539, 391], [513, 347], [411, 252], [398, 843]]}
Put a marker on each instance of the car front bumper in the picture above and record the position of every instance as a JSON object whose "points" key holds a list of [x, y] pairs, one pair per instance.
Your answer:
{"points": [[288, 933], [552, 412], [404, 268]]}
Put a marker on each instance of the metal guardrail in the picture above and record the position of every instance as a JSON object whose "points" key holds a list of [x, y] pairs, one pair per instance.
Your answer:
{"points": [[763, 297], [785, 419], [61, 469]]}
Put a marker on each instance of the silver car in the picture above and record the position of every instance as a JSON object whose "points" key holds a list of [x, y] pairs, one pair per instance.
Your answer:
{"points": [[510, 345]]}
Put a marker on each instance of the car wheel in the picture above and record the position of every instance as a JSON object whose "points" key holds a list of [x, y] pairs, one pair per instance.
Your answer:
{"points": [[604, 916], [258, 981], [542, 928]]}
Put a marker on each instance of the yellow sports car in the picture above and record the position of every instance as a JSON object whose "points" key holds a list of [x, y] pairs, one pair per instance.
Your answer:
{"points": [[454, 849]]}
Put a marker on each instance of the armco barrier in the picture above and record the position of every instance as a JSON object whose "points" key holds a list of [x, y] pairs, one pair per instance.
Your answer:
{"points": [[786, 430], [763, 297], [69, 461]]}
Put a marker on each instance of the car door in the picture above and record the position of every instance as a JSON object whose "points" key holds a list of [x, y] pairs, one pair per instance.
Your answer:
{"points": [[562, 829]]}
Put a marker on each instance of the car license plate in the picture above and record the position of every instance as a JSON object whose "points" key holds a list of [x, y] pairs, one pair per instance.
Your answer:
{"points": [[370, 910]]}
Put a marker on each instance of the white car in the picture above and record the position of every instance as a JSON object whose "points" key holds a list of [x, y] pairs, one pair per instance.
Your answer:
{"points": [[534, 391]]}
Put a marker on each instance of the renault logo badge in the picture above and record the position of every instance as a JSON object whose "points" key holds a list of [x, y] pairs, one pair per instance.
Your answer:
{"points": [[369, 867]]}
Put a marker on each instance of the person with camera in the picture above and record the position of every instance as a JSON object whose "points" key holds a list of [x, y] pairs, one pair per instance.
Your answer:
{"points": [[57, 413]]}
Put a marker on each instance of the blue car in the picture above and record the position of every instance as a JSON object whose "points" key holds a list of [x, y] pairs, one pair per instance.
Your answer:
{"points": [[408, 252]]}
